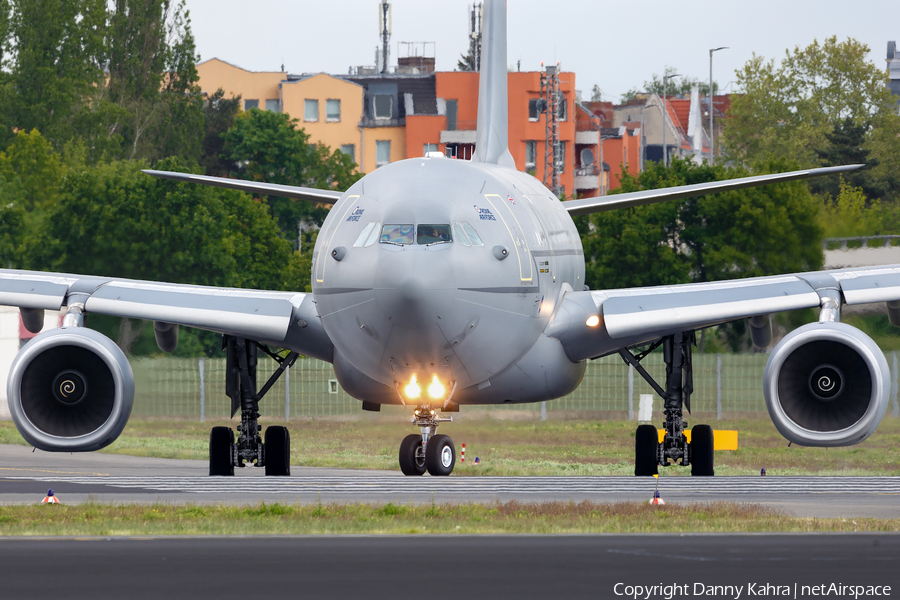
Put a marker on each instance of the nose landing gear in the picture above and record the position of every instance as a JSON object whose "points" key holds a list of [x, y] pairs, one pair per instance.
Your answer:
{"points": [[429, 451]]}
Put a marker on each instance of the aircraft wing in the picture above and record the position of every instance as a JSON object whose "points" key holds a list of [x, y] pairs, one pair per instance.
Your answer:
{"points": [[584, 206], [281, 318], [634, 316], [254, 187]]}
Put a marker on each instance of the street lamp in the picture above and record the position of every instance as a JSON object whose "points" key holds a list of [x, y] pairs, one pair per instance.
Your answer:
{"points": [[712, 155], [665, 110]]}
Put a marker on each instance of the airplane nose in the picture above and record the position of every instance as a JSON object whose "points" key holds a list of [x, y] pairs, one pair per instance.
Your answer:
{"points": [[415, 288]]}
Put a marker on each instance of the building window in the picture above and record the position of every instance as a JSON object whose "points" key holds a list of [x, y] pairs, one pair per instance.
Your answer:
{"points": [[561, 103], [382, 152], [530, 155], [429, 148], [452, 108], [248, 104], [383, 105], [310, 110], [273, 105], [349, 150], [332, 111], [534, 111]]}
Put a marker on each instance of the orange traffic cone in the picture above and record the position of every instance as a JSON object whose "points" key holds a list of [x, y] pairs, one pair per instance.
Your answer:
{"points": [[50, 498]]}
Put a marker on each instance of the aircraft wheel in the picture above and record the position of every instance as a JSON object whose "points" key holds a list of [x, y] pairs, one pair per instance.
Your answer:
{"points": [[702, 451], [221, 440], [412, 455], [278, 451], [440, 455], [646, 446]]}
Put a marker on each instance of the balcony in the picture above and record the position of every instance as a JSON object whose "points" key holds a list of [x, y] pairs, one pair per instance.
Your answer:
{"points": [[587, 137], [461, 132], [587, 178]]}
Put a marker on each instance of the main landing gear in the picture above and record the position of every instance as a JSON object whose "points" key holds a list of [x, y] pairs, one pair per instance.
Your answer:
{"points": [[240, 385], [649, 453], [429, 451]]}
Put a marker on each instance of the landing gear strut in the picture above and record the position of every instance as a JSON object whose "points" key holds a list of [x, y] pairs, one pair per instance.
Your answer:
{"points": [[429, 451], [240, 385], [674, 449]]}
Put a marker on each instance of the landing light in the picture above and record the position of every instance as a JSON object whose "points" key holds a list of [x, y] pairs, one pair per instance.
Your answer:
{"points": [[436, 389], [593, 321], [413, 390]]}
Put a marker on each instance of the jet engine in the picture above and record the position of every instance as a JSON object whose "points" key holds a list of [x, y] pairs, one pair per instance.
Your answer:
{"points": [[70, 390], [826, 384]]}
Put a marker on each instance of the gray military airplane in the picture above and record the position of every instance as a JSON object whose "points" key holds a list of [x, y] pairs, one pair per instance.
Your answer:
{"points": [[438, 283]]}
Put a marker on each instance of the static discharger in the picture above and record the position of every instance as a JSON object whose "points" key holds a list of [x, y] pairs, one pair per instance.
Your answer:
{"points": [[50, 498]]}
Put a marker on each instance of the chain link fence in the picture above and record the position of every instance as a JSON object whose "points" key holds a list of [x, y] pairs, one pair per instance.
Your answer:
{"points": [[724, 384]]}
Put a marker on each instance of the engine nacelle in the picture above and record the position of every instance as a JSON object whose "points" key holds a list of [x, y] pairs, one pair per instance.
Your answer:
{"points": [[826, 384], [70, 390]]}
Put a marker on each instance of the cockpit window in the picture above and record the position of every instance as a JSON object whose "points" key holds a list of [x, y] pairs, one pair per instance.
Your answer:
{"points": [[433, 234], [368, 236], [397, 234], [473, 236], [459, 235]]}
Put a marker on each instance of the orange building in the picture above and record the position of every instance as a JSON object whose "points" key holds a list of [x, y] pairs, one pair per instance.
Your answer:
{"points": [[378, 119]]}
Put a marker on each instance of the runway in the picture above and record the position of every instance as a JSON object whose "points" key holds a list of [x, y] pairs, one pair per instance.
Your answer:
{"points": [[25, 477], [447, 567]]}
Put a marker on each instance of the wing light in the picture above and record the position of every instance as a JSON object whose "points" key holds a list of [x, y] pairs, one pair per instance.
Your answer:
{"points": [[413, 391], [592, 321], [436, 389]]}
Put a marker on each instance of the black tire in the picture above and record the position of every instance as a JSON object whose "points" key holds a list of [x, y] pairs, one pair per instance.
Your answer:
{"points": [[702, 451], [646, 448], [412, 455], [440, 456], [278, 451], [221, 440]]}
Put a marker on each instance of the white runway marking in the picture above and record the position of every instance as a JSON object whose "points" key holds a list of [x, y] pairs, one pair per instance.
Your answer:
{"points": [[493, 485]]}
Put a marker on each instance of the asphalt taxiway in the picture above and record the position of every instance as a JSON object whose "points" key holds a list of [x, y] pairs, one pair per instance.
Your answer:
{"points": [[449, 566], [25, 476]]}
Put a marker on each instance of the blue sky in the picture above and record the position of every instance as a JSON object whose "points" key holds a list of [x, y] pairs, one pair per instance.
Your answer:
{"points": [[616, 45]]}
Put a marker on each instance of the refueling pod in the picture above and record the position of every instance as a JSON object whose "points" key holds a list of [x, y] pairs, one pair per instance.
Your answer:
{"points": [[826, 384], [70, 390]]}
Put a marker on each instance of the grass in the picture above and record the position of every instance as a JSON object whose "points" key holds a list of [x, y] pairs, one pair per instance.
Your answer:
{"points": [[517, 447], [509, 518]]}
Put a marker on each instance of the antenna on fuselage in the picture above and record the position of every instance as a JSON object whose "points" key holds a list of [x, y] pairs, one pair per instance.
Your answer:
{"points": [[492, 137]]}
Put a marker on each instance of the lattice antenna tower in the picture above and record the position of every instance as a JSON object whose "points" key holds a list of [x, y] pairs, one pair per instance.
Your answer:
{"points": [[385, 28], [553, 160], [476, 12]]}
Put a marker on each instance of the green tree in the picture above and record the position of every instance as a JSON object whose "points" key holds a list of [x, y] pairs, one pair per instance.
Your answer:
{"points": [[153, 79], [269, 147], [55, 58], [852, 214], [219, 115], [113, 220], [677, 86], [789, 109], [759, 231], [31, 163]]}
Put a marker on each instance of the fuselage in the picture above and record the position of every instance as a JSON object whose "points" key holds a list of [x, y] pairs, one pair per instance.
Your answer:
{"points": [[433, 268]]}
